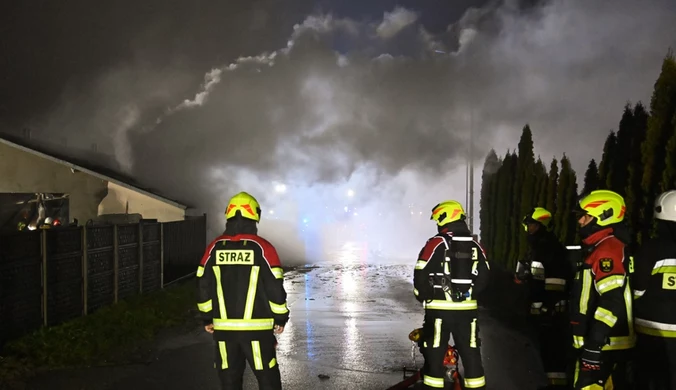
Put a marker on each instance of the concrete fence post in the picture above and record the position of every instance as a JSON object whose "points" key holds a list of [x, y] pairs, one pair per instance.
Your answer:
{"points": [[43, 246], [140, 257], [85, 271], [161, 256], [116, 263]]}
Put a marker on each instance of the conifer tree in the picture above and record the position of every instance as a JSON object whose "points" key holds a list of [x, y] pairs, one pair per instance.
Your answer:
{"points": [[486, 212], [524, 189], [618, 175], [502, 213], [511, 213], [634, 197], [591, 178], [607, 159], [660, 130], [542, 182], [552, 186], [667, 109], [563, 200], [571, 200]]}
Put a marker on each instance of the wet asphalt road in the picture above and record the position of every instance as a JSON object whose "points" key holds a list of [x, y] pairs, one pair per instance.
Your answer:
{"points": [[350, 322]]}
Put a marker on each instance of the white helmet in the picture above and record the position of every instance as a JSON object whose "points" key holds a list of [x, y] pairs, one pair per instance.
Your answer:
{"points": [[665, 206]]}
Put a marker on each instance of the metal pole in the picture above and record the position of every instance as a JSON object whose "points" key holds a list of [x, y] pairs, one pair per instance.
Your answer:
{"points": [[467, 185], [85, 276], [471, 170]]}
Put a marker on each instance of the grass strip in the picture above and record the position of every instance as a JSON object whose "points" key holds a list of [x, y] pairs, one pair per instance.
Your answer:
{"points": [[108, 336]]}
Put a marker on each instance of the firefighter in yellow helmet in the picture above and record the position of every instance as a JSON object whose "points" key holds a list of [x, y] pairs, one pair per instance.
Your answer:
{"points": [[547, 274], [242, 299], [451, 270], [601, 298]]}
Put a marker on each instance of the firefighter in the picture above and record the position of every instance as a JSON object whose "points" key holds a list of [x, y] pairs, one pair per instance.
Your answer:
{"points": [[601, 298], [242, 299], [450, 271], [547, 274], [655, 298]]}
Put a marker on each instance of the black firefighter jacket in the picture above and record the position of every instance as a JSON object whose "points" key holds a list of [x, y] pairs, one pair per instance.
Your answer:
{"points": [[654, 282], [241, 285], [467, 261]]}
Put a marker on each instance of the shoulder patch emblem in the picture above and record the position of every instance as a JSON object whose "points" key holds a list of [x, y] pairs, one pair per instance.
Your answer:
{"points": [[606, 265]]}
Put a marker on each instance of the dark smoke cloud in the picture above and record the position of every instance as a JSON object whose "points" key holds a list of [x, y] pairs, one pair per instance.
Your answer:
{"points": [[384, 107]]}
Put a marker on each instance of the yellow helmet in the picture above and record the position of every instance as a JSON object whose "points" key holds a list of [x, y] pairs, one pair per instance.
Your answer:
{"points": [[607, 206], [539, 215], [447, 212], [246, 204]]}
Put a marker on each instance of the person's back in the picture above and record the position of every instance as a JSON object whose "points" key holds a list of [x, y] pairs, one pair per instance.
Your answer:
{"points": [[451, 268], [242, 298]]}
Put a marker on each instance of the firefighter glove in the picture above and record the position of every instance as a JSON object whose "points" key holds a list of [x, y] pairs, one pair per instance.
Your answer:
{"points": [[591, 358]]}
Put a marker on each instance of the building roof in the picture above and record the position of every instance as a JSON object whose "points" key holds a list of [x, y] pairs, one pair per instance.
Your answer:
{"points": [[88, 168]]}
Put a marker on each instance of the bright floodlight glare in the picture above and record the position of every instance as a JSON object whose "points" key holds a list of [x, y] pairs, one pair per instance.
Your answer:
{"points": [[350, 193], [280, 188], [272, 211]]}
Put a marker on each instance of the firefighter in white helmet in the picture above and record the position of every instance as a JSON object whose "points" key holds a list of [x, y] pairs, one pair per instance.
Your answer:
{"points": [[655, 299]]}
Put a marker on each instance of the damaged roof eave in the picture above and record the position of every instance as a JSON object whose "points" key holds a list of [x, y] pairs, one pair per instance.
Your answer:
{"points": [[92, 173]]}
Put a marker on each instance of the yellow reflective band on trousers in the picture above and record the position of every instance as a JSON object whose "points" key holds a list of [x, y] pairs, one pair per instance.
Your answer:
{"points": [[200, 271], [278, 272], [205, 307], [557, 378], [219, 292], [432, 381], [438, 304], [258, 360], [251, 293], [224, 355], [475, 383], [279, 309], [437, 333], [272, 363], [243, 325], [653, 328], [472, 334], [416, 292], [555, 284], [420, 264], [605, 316], [586, 290]]}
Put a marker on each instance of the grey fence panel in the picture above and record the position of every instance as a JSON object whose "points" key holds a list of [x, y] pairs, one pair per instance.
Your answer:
{"points": [[20, 284], [64, 275], [152, 266], [67, 278], [128, 261], [184, 245], [100, 267]]}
